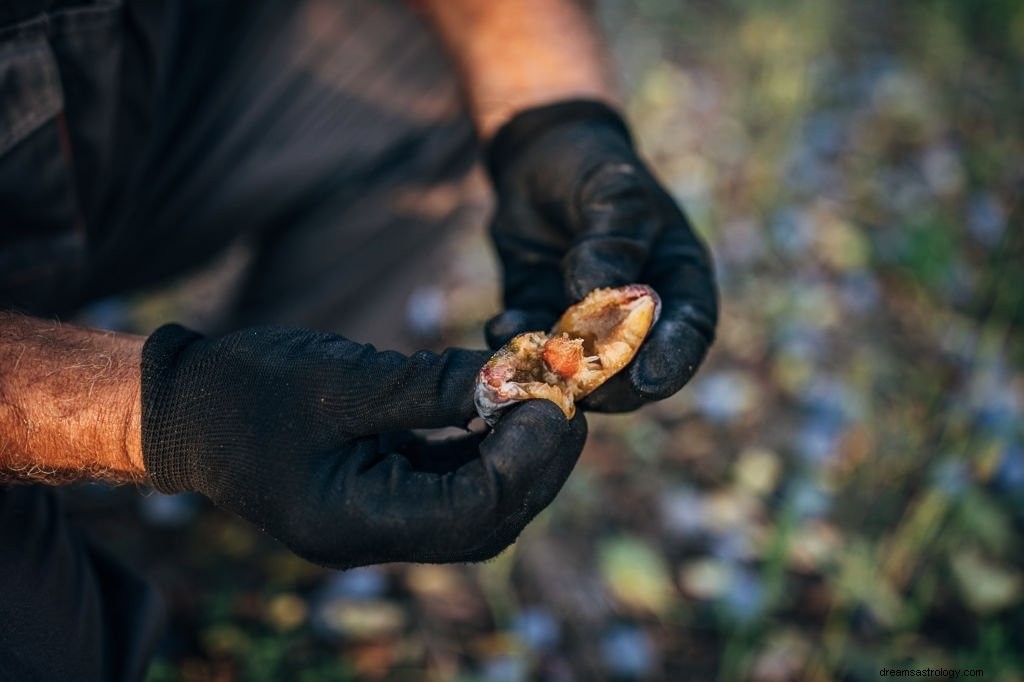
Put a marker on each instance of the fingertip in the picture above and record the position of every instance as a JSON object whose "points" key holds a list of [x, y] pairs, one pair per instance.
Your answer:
{"points": [[453, 402], [618, 394], [525, 461], [668, 359], [537, 429], [531, 451], [608, 261], [540, 414]]}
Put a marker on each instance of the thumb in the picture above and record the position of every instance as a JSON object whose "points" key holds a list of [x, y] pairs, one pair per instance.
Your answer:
{"points": [[387, 391], [525, 462]]}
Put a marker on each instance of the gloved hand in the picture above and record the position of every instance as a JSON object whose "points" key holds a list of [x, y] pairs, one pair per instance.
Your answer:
{"points": [[304, 435], [577, 210]]}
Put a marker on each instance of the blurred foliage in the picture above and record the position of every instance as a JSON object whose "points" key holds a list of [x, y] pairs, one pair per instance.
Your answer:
{"points": [[841, 488]]}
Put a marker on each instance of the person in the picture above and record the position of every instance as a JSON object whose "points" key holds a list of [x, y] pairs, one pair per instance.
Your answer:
{"points": [[139, 139]]}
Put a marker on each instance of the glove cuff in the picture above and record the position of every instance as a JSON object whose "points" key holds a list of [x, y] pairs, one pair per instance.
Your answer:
{"points": [[527, 125], [164, 450]]}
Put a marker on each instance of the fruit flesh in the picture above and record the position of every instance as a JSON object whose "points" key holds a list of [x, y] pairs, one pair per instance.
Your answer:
{"points": [[592, 341]]}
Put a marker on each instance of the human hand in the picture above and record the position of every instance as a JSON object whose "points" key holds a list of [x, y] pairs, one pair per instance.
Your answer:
{"points": [[305, 435], [577, 209]]}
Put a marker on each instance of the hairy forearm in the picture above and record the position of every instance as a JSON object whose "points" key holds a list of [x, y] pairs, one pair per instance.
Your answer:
{"points": [[69, 403], [517, 54]]}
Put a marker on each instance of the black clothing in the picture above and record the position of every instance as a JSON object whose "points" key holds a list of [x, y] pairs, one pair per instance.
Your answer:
{"points": [[68, 609], [140, 138]]}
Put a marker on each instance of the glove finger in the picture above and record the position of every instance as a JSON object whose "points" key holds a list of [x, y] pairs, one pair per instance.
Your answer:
{"points": [[618, 394], [531, 255], [670, 357], [681, 272], [531, 250], [603, 261], [620, 217], [526, 461], [387, 391], [522, 464], [467, 514], [503, 326]]}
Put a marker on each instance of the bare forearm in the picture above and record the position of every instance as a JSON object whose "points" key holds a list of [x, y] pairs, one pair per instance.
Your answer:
{"points": [[516, 54], [69, 402]]}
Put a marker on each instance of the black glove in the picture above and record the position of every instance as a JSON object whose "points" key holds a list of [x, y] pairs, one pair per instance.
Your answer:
{"points": [[304, 434], [577, 210]]}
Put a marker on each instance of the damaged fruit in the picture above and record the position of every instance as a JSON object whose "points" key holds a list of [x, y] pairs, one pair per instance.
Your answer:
{"points": [[593, 340]]}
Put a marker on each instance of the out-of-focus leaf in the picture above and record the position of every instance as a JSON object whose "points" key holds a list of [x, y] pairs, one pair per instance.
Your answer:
{"points": [[362, 619], [431, 580], [286, 611], [862, 584], [986, 586], [813, 546], [636, 574], [757, 470], [225, 639], [840, 244], [705, 578], [782, 658], [730, 508], [987, 523]]}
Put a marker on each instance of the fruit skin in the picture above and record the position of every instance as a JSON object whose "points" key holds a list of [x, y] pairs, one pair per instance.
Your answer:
{"points": [[590, 343]]}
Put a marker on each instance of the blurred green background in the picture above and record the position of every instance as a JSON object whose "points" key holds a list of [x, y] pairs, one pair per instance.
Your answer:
{"points": [[840, 489]]}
